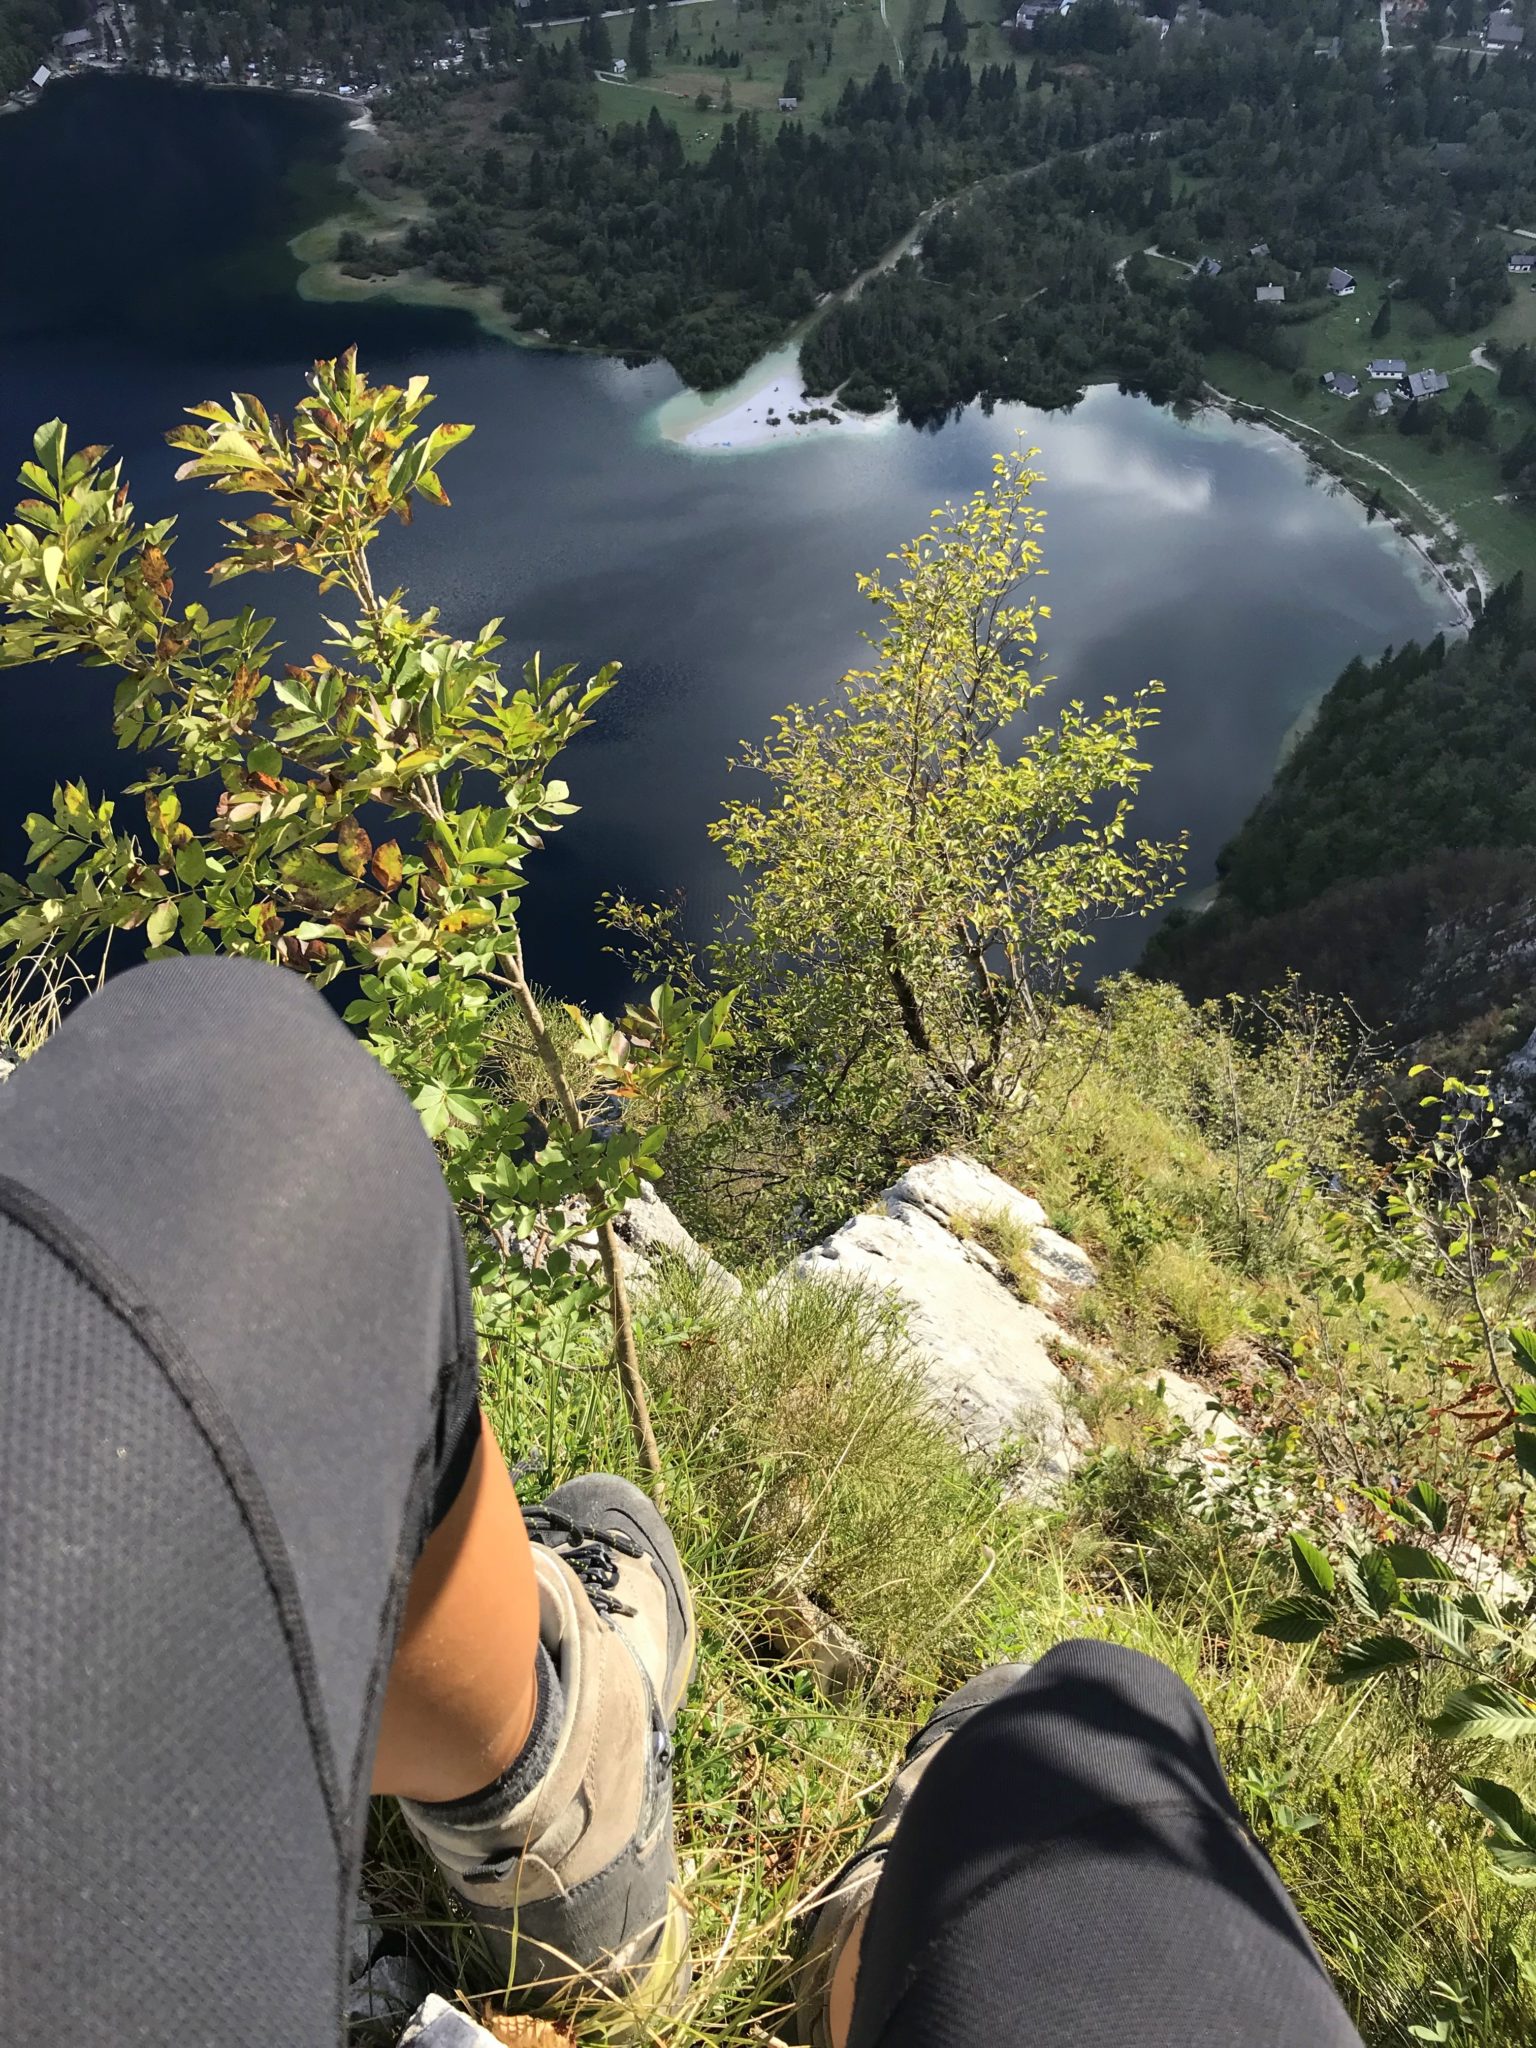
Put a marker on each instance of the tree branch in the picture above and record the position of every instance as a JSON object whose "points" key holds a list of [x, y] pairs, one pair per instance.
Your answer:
{"points": [[626, 1358]]}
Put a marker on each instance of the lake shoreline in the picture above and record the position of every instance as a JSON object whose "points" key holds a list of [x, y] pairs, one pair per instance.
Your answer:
{"points": [[735, 419], [753, 413], [1419, 538]]}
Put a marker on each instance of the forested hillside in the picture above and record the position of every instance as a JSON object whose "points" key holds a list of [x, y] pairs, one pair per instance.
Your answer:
{"points": [[1397, 844], [1230, 133]]}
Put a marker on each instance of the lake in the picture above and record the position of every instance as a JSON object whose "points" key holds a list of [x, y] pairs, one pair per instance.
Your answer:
{"points": [[143, 266]]}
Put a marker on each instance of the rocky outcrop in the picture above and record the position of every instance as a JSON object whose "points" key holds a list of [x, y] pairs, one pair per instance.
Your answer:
{"points": [[988, 1356], [650, 1233]]}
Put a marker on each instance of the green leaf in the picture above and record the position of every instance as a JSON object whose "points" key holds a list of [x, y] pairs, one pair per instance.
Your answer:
{"points": [[1312, 1566], [264, 759], [1503, 1809], [1515, 1866], [191, 863], [1410, 1561], [48, 443], [1298, 1618], [1496, 1712], [1440, 1617], [162, 923], [1423, 1504], [1522, 1345], [1525, 1451], [1372, 1654], [1370, 1583]]}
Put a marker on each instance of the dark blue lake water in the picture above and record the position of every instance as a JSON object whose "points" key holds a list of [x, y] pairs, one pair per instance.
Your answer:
{"points": [[142, 266]]}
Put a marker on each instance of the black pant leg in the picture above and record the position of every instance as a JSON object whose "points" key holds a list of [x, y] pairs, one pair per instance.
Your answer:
{"points": [[1072, 1872], [237, 1383]]}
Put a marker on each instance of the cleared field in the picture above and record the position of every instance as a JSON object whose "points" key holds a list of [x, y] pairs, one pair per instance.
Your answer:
{"points": [[693, 48]]}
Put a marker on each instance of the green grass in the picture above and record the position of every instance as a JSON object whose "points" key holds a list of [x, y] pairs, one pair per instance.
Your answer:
{"points": [[1462, 483], [700, 131], [798, 1454], [1516, 322], [860, 42], [1009, 1242]]}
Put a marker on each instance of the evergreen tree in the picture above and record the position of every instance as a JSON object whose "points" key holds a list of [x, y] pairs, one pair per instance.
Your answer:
{"points": [[1473, 417], [954, 27], [596, 43], [1382, 324], [639, 51]]}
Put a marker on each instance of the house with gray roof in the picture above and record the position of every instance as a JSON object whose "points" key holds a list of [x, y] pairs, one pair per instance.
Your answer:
{"points": [[1503, 32], [1341, 383], [1387, 370], [1521, 261], [1270, 295], [1340, 283], [1381, 403], [1208, 266], [1427, 384]]}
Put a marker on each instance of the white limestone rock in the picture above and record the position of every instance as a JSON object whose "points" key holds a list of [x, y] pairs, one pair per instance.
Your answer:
{"points": [[985, 1355], [956, 1187], [954, 1184], [437, 2024], [390, 1987], [649, 1232], [1213, 1429]]}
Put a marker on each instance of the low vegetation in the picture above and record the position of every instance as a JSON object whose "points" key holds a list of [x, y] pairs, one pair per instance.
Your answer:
{"points": [[1361, 1303]]}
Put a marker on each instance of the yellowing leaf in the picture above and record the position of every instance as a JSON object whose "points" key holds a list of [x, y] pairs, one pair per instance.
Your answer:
{"points": [[387, 866]]}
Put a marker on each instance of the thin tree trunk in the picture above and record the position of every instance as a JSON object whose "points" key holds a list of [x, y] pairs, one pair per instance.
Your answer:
{"points": [[625, 1356]]}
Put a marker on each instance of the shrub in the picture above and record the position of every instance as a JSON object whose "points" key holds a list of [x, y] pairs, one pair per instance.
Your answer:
{"points": [[320, 815]]}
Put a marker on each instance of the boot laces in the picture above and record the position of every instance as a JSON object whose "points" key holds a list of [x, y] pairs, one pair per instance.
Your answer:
{"points": [[588, 1552]]}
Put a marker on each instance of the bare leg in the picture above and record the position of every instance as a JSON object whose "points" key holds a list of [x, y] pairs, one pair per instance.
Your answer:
{"points": [[461, 1694]]}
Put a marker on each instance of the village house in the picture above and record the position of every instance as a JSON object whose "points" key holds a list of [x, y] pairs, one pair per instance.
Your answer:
{"points": [[1427, 384], [1522, 260], [1258, 251], [1381, 404], [1208, 266], [1503, 32], [788, 103], [1341, 383], [1340, 283], [1387, 370], [1270, 295]]}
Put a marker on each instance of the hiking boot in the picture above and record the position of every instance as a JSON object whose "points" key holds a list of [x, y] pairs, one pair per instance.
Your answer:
{"points": [[843, 1917], [575, 1882]]}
